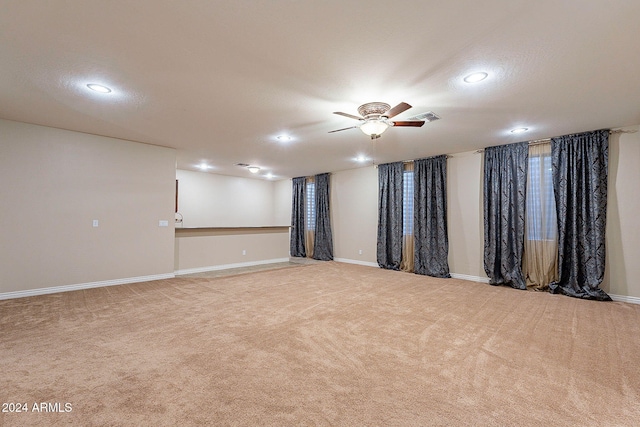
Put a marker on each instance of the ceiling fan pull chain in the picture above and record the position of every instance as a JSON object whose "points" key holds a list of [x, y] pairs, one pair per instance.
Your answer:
{"points": [[373, 152]]}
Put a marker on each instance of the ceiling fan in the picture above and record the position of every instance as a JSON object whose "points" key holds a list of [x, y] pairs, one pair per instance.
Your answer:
{"points": [[375, 117]]}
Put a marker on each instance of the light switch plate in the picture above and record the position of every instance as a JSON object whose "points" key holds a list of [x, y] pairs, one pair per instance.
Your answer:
{"points": [[95, 222], [163, 223]]}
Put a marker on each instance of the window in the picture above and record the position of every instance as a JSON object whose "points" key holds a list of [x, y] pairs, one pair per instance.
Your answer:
{"points": [[541, 211], [311, 206], [407, 203]]}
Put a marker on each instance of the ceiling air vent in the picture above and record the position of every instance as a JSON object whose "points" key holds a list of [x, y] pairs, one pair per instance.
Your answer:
{"points": [[429, 116], [242, 165]]}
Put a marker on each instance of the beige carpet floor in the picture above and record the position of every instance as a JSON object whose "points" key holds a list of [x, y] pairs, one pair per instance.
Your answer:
{"points": [[326, 344]]}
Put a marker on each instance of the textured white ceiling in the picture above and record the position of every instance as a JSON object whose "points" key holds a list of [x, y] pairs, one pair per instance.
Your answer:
{"points": [[219, 80]]}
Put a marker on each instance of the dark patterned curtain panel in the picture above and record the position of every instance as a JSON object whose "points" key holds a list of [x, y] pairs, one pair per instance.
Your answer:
{"points": [[296, 245], [323, 243], [430, 217], [389, 247], [505, 184], [580, 169]]}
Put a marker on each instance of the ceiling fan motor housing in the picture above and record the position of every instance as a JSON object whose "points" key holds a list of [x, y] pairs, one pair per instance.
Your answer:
{"points": [[373, 110]]}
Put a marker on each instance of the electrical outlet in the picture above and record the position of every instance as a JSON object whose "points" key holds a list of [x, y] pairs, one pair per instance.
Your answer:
{"points": [[244, 252], [163, 223], [95, 222], [360, 252]]}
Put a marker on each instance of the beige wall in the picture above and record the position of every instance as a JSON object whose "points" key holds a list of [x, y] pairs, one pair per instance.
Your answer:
{"points": [[354, 214], [56, 182], [241, 205], [210, 200], [623, 211], [282, 205], [212, 249], [464, 214]]}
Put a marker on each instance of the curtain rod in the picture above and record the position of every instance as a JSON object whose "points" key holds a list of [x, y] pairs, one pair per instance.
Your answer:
{"points": [[545, 140], [448, 156]]}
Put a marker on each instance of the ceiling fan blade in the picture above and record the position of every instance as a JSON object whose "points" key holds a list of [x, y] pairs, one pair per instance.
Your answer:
{"points": [[412, 123], [348, 115], [338, 130], [403, 106]]}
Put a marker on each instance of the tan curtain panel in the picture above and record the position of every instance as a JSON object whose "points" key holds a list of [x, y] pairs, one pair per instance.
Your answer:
{"points": [[540, 262], [309, 242], [310, 218], [407, 263]]}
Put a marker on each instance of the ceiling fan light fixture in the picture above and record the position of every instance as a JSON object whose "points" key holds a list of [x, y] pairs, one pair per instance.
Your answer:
{"points": [[373, 127]]}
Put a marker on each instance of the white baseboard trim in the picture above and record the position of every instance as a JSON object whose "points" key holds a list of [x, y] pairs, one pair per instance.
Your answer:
{"points": [[624, 298], [355, 261], [470, 278], [619, 298], [80, 286], [453, 275], [228, 266]]}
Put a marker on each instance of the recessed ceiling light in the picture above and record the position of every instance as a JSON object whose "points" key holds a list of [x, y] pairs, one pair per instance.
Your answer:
{"points": [[476, 77], [204, 166], [98, 88], [519, 130], [283, 138], [361, 159], [254, 169], [270, 175]]}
